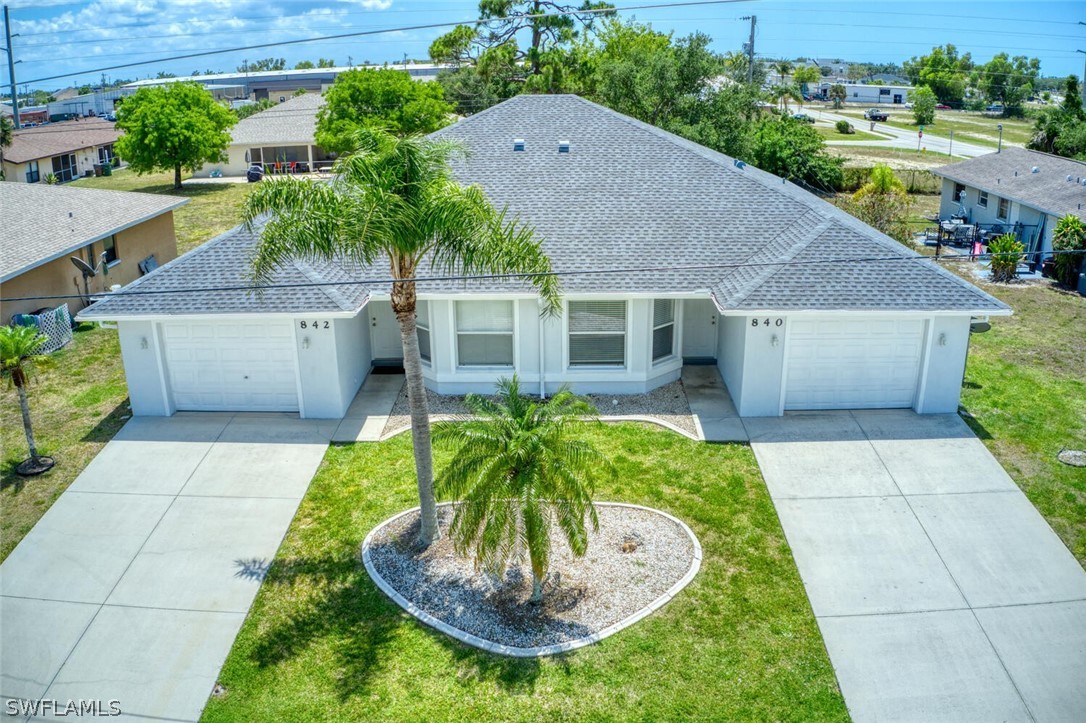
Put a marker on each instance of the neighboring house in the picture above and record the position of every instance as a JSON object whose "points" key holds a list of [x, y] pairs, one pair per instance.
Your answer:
{"points": [[671, 254], [283, 134], [33, 114], [42, 226], [1015, 190], [870, 94], [69, 150]]}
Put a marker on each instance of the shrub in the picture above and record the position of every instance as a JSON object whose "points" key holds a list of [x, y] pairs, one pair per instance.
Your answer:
{"points": [[1005, 252], [1069, 236], [843, 126], [52, 179]]}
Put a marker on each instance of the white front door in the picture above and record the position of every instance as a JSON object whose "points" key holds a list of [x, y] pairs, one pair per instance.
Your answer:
{"points": [[384, 331], [231, 366], [700, 323], [854, 363]]}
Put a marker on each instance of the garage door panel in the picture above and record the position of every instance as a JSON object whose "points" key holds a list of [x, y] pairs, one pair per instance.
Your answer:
{"points": [[853, 363], [231, 366]]}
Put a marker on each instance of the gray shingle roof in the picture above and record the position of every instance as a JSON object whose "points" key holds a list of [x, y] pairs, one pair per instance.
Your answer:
{"points": [[293, 121], [224, 263], [673, 216], [39, 223], [45, 141], [1048, 189]]}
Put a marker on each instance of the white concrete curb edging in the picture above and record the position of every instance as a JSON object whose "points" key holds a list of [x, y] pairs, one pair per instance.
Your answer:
{"points": [[647, 418], [541, 651]]}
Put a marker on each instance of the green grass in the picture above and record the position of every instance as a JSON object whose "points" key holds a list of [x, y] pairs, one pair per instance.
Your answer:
{"points": [[77, 404], [829, 133], [214, 208], [861, 155], [1025, 387], [739, 643], [976, 128]]}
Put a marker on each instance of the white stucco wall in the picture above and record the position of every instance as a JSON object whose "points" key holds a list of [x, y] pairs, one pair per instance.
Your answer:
{"points": [[730, 354], [752, 364], [333, 361], [141, 352], [941, 380]]}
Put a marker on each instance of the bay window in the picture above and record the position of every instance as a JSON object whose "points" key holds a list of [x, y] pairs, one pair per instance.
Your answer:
{"points": [[663, 328], [422, 328]]}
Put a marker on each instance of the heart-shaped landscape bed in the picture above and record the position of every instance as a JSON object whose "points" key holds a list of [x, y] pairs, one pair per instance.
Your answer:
{"points": [[638, 560]]}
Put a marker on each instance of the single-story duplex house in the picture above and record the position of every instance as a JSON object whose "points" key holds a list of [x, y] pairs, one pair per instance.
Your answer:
{"points": [[275, 139], [42, 226], [69, 149], [671, 254], [1015, 190]]}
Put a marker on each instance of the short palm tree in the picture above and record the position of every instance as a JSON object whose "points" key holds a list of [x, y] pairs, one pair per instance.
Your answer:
{"points": [[18, 345], [395, 200], [520, 469], [784, 93]]}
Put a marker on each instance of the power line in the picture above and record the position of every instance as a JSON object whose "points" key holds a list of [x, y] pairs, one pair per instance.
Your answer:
{"points": [[362, 33], [529, 275]]}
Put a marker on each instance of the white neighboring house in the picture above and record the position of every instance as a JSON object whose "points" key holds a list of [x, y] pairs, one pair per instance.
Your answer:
{"points": [[1015, 190], [674, 254], [275, 139], [864, 94]]}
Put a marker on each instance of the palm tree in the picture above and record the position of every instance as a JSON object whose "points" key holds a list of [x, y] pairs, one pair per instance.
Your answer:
{"points": [[519, 470], [395, 199], [18, 345], [783, 93], [783, 68]]}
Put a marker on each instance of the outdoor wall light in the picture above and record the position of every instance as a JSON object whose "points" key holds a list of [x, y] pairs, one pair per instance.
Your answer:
{"points": [[305, 342], [143, 343], [774, 341], [942, 339]]}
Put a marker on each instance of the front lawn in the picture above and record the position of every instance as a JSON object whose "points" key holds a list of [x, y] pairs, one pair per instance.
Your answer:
{"points": [[1025, 387], [78, 401], [739, 643], [214, 208]]}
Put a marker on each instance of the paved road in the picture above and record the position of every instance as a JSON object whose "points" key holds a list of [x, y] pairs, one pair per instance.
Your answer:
{"points": [[940, 591], [134, 584], [900, 138]]}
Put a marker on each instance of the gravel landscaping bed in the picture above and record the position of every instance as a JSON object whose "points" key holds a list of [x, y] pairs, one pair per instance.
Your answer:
{"points": [[632, 561], [667, 403]]}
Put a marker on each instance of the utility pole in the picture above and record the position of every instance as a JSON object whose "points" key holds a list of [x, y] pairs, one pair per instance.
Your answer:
{"points": [[750, 47], [11, 68]]}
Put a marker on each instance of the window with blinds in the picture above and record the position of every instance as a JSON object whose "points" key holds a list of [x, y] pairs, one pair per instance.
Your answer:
{"points": [[597, 333], [422, 328], [484, 333], [663, 329]]}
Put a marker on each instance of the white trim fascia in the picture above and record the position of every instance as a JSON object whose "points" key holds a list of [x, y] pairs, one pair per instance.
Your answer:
{"points": [[93, 239], [214, 317], [867, 312]]}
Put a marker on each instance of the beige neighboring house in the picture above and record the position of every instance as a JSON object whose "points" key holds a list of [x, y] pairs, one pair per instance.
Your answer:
{"points": [[69, 149], [42, 226], [275, 139]]}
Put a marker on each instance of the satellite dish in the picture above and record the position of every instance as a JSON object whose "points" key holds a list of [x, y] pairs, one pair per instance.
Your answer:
{"points": [[87, 269]]}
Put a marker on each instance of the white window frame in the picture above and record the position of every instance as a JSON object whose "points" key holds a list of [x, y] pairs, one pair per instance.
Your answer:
{"points": [[32, 170], [1001, 214], [422, 324], [512, 333], [982, 200], [116, 253], [656, 327], [567, 334]]}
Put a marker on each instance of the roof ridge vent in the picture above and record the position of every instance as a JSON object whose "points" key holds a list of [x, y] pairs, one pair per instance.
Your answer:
{"points": [[1035, 169], [563, 146], [1070, 177], [518, 144]]}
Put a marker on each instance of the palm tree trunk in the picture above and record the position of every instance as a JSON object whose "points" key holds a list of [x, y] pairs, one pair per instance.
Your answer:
{"points": [[25, 406], [420, 426]]}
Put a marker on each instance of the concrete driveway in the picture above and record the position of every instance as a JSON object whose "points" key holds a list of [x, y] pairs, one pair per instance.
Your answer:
{"points": [[134, 584], [940, 591]]}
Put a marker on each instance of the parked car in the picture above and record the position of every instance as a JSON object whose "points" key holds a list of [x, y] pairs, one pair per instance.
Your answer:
{"points": [[803, 117], [874, 114], [942, 106], [995, 108]]}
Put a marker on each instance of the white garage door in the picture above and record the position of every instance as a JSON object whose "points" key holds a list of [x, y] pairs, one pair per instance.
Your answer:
{"points": [[862, 363], [231, 366]]}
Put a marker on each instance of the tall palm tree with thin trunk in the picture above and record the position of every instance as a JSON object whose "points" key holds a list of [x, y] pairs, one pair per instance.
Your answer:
{"points": [[519, 470], [18, 345], [394, 199], [783, 68]]}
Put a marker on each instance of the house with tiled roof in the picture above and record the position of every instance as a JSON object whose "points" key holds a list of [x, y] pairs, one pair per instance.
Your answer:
{"points": [[126, 235], [68, 150], [669, 254], [280, 139]]}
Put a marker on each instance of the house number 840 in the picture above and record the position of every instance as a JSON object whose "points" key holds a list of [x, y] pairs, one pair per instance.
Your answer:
{"points": [[314, 324], [766, 322]]}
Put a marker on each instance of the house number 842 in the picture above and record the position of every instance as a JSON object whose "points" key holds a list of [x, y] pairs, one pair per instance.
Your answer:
{"points": [[766, 322], [314, 324]]}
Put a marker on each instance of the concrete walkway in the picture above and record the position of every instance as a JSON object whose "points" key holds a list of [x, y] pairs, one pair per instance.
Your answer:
{"points": [[134, 584], [940, 591], [368, 414], [711, 405]]}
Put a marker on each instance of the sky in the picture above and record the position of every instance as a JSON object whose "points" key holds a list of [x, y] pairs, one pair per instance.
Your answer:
{"points": [[61, 37]]}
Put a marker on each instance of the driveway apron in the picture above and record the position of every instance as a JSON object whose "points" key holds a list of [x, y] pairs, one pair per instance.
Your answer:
{"points": [[132, 587], [941, 592]]}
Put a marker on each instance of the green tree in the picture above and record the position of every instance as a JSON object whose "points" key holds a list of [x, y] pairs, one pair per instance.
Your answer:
{"points": [[793, 150], [1072, 98], [305, 65], [783, 93], [173, 126], [7, 136], [804, 76], [736, 66], [1008, 81], [923, 99], [1005, 252], [263, 64], [782, 68], [393, 205], [838, 94], [520, 469], [378, 98], [467, 90], [1069, 241], [18, 347], [883, 203], [858, 71], [1062, 129], [326, 63], [942, 70], [243, 112]]}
